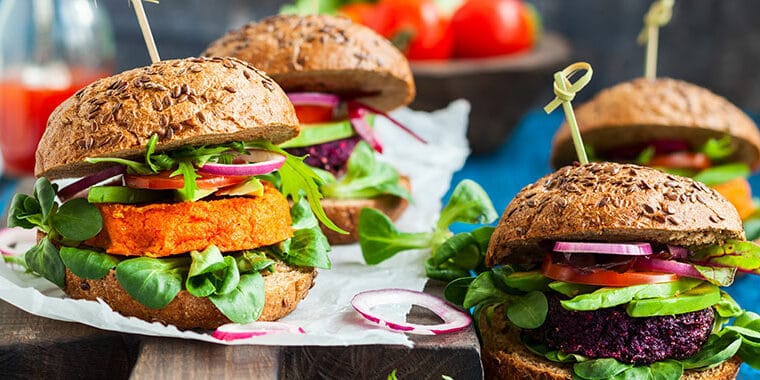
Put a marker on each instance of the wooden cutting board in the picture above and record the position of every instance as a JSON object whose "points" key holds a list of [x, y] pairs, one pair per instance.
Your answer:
{"points": [[33, 347]]}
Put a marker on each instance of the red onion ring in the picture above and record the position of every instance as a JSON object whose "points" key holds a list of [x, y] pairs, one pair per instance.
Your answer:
{"points": [[354, 104], [356, 117], [667, 266], [271, 162], [15, 241], [638, 249], [313, 99], [678, 252], [235, 331], [75, 188], [454, 319]]}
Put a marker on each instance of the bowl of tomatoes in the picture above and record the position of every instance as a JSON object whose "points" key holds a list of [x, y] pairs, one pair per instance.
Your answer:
{"points": [[490, 52]]}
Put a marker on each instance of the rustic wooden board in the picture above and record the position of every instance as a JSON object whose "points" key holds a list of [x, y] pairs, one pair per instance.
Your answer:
{"points": [[39, 348]]}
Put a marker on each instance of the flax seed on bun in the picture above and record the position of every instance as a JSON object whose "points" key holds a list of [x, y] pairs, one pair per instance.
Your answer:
{"points": [[643, 110], [186, 102], [321, 53]]}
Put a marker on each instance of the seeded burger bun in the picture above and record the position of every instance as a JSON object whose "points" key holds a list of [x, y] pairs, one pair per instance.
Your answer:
{"points": [[643, 110], [321, 53], [185, 102], [599, 202]]}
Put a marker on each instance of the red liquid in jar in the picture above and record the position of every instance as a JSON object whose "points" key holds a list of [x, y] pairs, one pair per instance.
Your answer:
{"points": [[24, 111]]}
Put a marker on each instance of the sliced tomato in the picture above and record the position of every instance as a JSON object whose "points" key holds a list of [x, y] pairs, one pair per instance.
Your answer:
{"points": [[313, 114], [603, 277], [680, 160], [163, 181]]}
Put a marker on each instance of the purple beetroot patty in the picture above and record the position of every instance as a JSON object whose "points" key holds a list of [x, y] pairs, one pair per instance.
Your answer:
{"points": [[331, 156], [611, 333]]}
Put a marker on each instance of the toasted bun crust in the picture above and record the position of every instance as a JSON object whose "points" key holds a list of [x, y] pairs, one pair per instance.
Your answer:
{"points": [[323, 54], [187, 101], [505, 357], [345, 213], [604, 201], [285, 288], [643, 110]]}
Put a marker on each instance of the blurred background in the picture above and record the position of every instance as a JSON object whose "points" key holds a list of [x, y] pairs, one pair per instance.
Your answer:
{"points": [[712, 43]]}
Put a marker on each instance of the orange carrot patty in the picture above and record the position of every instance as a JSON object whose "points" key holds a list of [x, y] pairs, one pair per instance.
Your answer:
{"points": [[164, 229]]}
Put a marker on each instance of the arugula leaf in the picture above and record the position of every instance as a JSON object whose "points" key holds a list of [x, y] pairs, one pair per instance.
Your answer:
{"points": [[380, 240], [44, 259], [245, 302], [469, 203], [718, 149], [722, 173], [744, 255], [295, 177], [152, 282], [133, 167], [188, 172], [77, 220], [365, 177], [88, 263]]}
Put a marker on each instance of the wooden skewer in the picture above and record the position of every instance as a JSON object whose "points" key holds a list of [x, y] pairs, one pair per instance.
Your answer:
{"points": [[142, 19]]}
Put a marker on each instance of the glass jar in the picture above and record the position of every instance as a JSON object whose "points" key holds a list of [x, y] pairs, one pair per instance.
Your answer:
{"points": [[49, 49]]}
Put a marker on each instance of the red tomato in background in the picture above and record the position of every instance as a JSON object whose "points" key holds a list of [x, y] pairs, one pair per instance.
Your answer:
{"points": [[680, 160], [417, 27], [360, 13], [486, 28]]}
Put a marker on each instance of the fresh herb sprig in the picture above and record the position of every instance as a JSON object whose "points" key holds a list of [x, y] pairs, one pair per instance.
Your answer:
{"points": [[452, 256], [70, 222]]}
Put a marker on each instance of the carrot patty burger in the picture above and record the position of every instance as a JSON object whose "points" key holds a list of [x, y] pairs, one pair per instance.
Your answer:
{"points": [[181, 214], [613, 271]]}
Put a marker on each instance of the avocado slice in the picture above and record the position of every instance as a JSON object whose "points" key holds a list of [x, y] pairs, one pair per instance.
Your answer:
{"points": [[698, 298], [123, 194], [313, 134]]}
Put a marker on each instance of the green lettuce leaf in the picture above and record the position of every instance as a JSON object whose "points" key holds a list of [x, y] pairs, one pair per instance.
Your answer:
{"points": [[722, 173], [365, 177], [245, 302], [88, 263], [152, 282]]}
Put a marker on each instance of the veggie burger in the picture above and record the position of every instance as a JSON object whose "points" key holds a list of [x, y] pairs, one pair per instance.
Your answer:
{"points": [[182, 214], [672, 125], [613, 271], [338, 75]]}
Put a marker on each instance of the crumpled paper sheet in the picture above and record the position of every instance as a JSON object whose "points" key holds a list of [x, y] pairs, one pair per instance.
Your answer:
{"points": [[326, 314]]}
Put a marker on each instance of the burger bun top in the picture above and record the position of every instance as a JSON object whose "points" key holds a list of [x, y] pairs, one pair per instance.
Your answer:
{"points": [[192, 101], [643, 110], [611, 202], [321, 53]]}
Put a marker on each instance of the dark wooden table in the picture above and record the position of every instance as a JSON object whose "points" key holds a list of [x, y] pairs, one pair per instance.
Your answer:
{"points": [[33, 347]]}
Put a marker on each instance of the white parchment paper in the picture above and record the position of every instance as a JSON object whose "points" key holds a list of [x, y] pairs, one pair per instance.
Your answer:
{"points": [[326, 314]]}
